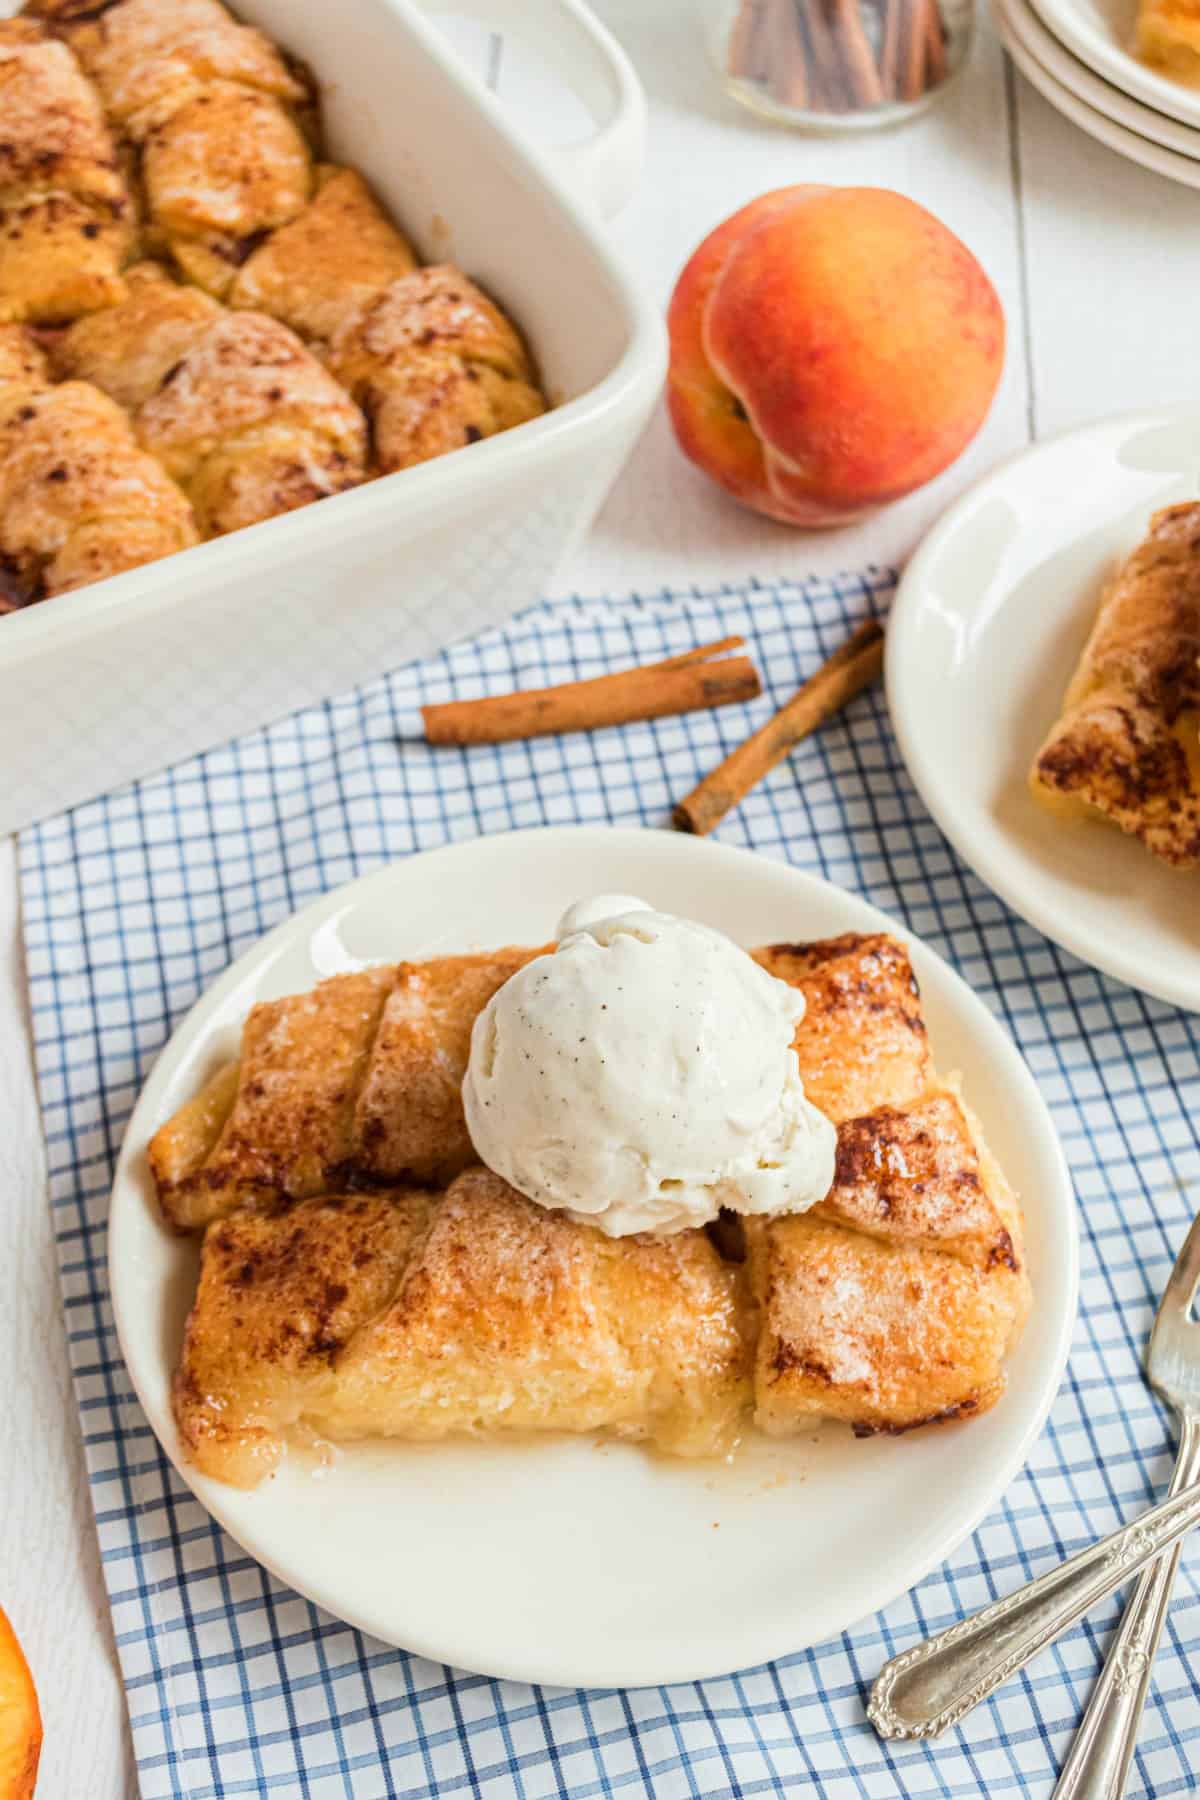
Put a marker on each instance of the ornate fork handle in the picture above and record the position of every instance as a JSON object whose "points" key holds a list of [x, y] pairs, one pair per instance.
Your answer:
{"points": [[925, 1689], [1098, 1764]]}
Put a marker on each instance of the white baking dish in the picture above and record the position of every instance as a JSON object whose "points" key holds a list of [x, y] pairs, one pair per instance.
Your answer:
{"points": [[107, 684]]}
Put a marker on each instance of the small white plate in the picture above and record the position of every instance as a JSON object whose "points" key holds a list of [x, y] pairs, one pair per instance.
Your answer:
{"points": [[1020, 19], [1099, 32], [988, 624], [564, 1561], [1105, 130]]}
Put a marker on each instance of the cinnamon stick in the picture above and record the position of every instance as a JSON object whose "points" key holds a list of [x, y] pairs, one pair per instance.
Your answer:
{"points": [[911, 81], [677, 684], [856, 58], [889, 46], [818, 54], [745, 37], [788, 80], [935, 46], [819, 98], [818, 24], [850, 669], [741, 37], [759, 65]]}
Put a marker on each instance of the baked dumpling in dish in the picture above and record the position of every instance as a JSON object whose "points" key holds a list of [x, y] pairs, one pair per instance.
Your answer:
{"points": [[213, 107], [435, 364], [130, 348], [66, 217], [220, 174], [251, 425], [328, 262], [146, 56], [79, 499], [1126, 747], [238, 411]]}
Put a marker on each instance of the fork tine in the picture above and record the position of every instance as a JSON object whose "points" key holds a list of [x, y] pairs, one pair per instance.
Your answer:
{"points": [[1185, 1276]]}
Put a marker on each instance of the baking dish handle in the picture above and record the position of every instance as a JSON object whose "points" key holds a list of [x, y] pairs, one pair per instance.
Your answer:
{"points": [[604, 168]]}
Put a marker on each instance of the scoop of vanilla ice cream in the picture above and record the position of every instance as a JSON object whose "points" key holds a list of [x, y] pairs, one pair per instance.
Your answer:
{"points": [[642, 1076]]}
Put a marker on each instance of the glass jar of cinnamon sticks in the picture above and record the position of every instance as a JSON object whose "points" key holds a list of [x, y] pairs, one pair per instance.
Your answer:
{"points": [[837, 64]]}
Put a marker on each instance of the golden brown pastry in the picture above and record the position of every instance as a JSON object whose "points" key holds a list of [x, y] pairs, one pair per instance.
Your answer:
{"points": [[435, 365], [212, 106], [1126, 747], [219, 174], [176, 127], [79, 499], [887, 1305], [279, 1297], [1168, 38], [332, 259], [235, 407], [916, 1174], [129, 348], [408, 1121], [360, 1078], [893, 1303], [884, 1336], [279, 1123], [65, 211], [862, 1041], [418, 1317], [251, 425]]}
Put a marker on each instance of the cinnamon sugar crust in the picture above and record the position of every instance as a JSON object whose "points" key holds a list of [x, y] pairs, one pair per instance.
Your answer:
{"points": [[1126, 748], [409, 1122], [404, 1314], [890, 1305], [435, 365], [251, 424], [79, 499], [176, 139], [328, 262], [66, 216], [862, 1041]]}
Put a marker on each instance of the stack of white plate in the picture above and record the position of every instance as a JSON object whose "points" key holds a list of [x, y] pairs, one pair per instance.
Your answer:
{"points": [[1077, 53]]}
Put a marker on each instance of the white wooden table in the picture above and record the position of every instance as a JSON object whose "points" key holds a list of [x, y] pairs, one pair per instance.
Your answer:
{"points": [[1098, 264]]}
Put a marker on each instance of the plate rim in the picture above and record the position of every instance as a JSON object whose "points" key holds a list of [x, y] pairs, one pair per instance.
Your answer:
{"points": [[992, 870], [128, 1193], [1171, 165], [1109, 59], [1091, 88]]}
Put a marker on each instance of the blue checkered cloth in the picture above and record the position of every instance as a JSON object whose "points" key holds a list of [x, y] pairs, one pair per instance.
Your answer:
{"points": [[132, 906]]}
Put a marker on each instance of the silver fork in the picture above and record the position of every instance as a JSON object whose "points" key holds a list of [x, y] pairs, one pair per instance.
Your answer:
{"points": [[924, 1690], [1097, 1767]]}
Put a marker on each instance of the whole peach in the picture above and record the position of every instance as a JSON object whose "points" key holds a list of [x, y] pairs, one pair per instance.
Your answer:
{"points": [[831, 350]]}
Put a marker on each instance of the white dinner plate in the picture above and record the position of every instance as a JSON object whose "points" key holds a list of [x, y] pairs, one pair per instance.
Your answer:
{"points": [[1117, 137], [566, 1561], [990, 618], [1023, 22], [1099, 32]]}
